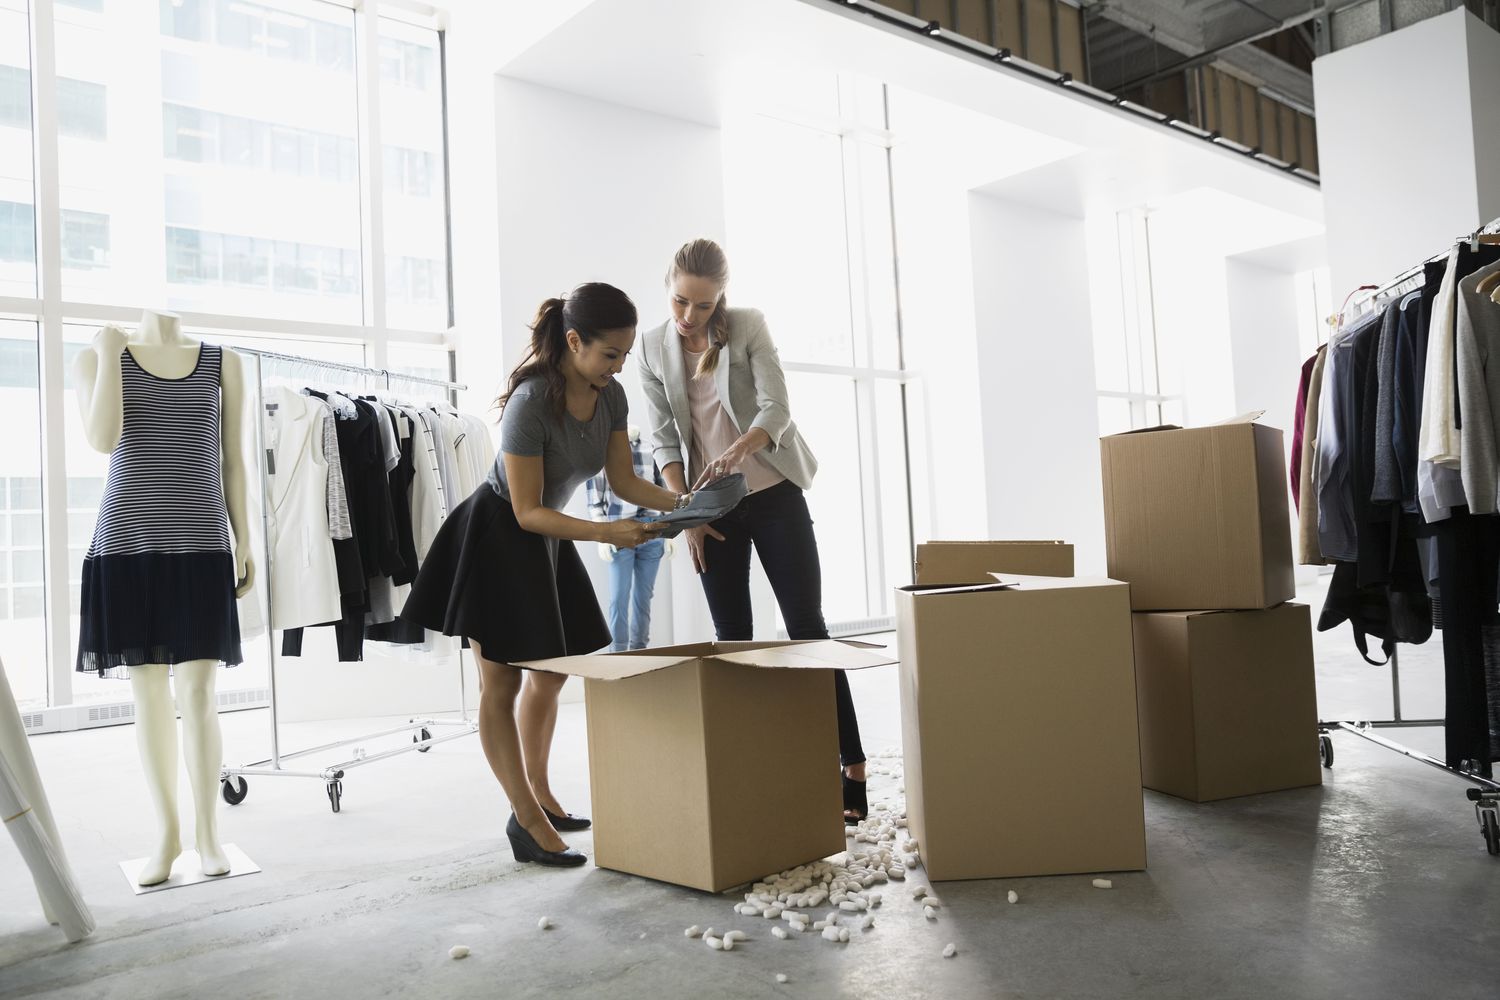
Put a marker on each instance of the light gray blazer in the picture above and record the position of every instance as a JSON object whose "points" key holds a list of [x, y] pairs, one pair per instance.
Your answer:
{"points": [[751, 385]]}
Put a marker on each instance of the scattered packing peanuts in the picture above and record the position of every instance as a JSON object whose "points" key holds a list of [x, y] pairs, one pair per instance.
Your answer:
{"points": [[459, 951], [781, 977], [844, 935], [797, 928], [709, 933], [929, 913], [1012, 897], [951, 950], [736, 936], [919, 892], [772, 913], [729, 944], [932, 901], [820, 925], [544, 924], [868, 922], [831, 934], [1103, 883], [693, 931], [716, 944], [779, 933]]}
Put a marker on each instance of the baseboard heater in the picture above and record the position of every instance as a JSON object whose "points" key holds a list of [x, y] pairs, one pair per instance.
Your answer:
{"points": [[69, 718]]}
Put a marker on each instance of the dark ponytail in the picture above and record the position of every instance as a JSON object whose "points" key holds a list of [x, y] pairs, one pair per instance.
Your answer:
{"points": [[591, 309]]}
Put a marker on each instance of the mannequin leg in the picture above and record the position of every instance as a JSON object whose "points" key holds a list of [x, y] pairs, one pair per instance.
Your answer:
{"points": [[203, 751], [156, 737], [501, 741], [538, 718]]}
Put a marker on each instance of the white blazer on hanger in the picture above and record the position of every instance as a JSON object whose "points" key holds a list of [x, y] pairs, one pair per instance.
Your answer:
{"points": [[304, 575]]}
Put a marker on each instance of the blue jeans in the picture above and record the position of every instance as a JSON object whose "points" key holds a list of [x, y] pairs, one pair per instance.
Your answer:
{"points": [[632, 580]]}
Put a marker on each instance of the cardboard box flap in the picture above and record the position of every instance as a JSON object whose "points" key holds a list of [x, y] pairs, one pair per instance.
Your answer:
{"points": [[605, 666], [1148, 430], [1244, 418], [819, 654], [1012, 582]]}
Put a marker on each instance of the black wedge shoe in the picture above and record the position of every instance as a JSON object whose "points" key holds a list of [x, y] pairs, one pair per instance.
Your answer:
{"points": [[855, 801], [568, 823], [525, 848]]}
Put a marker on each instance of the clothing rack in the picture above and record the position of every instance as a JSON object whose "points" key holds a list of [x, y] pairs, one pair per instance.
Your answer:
{"points": [[1486, 794], [232, 781]]}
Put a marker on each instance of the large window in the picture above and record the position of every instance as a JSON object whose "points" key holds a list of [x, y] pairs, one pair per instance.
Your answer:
{"points": [[830, 300], [211, 159], [1138, 373]]}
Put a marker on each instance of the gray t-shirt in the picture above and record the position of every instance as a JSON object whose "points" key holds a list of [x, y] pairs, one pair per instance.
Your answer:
{"points": [[571, 450]]}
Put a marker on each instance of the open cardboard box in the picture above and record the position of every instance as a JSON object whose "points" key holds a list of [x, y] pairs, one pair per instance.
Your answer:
{"points": [[1199, 517], [716, 763], [974, 561], [1018, 719]]}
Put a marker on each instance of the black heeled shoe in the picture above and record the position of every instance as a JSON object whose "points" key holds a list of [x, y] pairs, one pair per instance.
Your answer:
{"points": [[525, 848], [567, 823], [855, 801]]}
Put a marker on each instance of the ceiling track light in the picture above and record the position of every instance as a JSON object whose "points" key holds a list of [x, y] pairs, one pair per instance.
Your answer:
{"points": [[1003, 55], [931, 28], [1066, 80]]}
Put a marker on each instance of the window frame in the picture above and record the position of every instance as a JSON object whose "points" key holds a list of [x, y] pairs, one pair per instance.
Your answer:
{"points": [[51, 311]]}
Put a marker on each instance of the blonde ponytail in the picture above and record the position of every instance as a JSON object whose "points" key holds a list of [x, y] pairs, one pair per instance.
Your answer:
{"points": [[703, 258]]}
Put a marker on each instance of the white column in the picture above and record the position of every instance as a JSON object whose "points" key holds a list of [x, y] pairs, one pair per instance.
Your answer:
{"points": [[1408, 144]]}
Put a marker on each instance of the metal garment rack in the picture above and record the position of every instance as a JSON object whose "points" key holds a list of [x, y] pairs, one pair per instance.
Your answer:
{"points": [[1486, 794], [232, 781]]}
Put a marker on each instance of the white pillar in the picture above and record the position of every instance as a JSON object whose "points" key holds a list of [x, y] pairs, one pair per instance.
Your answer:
{"points": [[1408, 144]]}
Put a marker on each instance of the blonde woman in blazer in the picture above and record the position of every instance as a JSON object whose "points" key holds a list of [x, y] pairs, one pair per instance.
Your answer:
{"points": [[718, 406]]}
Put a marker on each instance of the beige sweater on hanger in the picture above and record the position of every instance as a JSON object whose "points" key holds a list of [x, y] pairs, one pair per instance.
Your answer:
{"points": [[1308, 551]]}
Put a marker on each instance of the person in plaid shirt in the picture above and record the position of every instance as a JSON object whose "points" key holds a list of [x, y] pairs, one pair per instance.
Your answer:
{"points": [[632, 576]]}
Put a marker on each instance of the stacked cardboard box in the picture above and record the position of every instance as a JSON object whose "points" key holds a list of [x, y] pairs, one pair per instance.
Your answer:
{"points": [[1197, 523], [1018, 715]]}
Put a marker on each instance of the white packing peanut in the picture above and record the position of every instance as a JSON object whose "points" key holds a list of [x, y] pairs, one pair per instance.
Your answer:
{"points": [[844, 935], [932, 900], [1012, 897], [709, 933], [918, 892], [867, 922], [1103, 883], [545, 924], [779, 933], [459, 951], [831, 934], [951, 950], [797, 928], [693, 931], [929, 913], [729, 944], [781, 977], [736, 936], [771, 912], [820, 925], [715, 943], [876, 899]]}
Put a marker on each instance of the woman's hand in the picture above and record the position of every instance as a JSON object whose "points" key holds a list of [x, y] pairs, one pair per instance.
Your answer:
{"points": [[696, 539], [627, 534], [729, 462]]}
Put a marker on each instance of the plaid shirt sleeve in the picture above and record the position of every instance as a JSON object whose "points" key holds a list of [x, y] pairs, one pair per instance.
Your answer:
{"points": [[601, 502]]}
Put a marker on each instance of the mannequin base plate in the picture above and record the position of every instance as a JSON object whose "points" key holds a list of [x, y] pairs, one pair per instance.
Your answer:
{"points": [[186, 870]]}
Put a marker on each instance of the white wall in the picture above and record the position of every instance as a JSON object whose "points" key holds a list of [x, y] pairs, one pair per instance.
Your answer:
{"points": [[1036, 377], [1263, 326], [591, 191], [1401, 148]]}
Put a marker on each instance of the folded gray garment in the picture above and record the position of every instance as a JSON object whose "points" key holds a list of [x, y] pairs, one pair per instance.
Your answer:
{"points": [[708, 504]]}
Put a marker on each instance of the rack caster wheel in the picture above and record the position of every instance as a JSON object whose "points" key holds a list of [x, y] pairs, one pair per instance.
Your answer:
{"points": [[234, 790], [1325, 750], [422, 739], [335, 794], [1490, 827]]}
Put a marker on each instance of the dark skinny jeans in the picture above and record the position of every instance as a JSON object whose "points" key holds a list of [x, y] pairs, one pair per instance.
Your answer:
{"points": [[777, 524]]}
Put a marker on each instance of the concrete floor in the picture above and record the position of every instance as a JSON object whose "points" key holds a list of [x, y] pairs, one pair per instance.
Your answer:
{"points": [[1374, 885]]}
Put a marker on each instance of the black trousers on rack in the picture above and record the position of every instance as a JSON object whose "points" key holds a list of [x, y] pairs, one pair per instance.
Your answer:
{"points": [[1469, 581]]}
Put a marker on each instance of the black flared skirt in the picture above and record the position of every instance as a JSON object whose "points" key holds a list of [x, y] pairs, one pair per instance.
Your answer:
{"points": [[157, 607], [520, 595]]}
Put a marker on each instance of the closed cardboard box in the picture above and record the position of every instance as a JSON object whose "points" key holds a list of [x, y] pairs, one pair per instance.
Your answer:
{"points": [[1018, 718], [1198, 518], [974, 562], [715, 764], [1228, 703]]}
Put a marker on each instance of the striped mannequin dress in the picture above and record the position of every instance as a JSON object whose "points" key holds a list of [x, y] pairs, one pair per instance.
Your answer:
{"points": [[158, 579]]}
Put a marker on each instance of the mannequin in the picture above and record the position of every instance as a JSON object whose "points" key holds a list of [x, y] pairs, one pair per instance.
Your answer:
{"points": [[160, 348]]}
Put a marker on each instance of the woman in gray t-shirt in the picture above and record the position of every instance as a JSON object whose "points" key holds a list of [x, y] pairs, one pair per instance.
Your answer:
{"points": [[503, 572]]}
